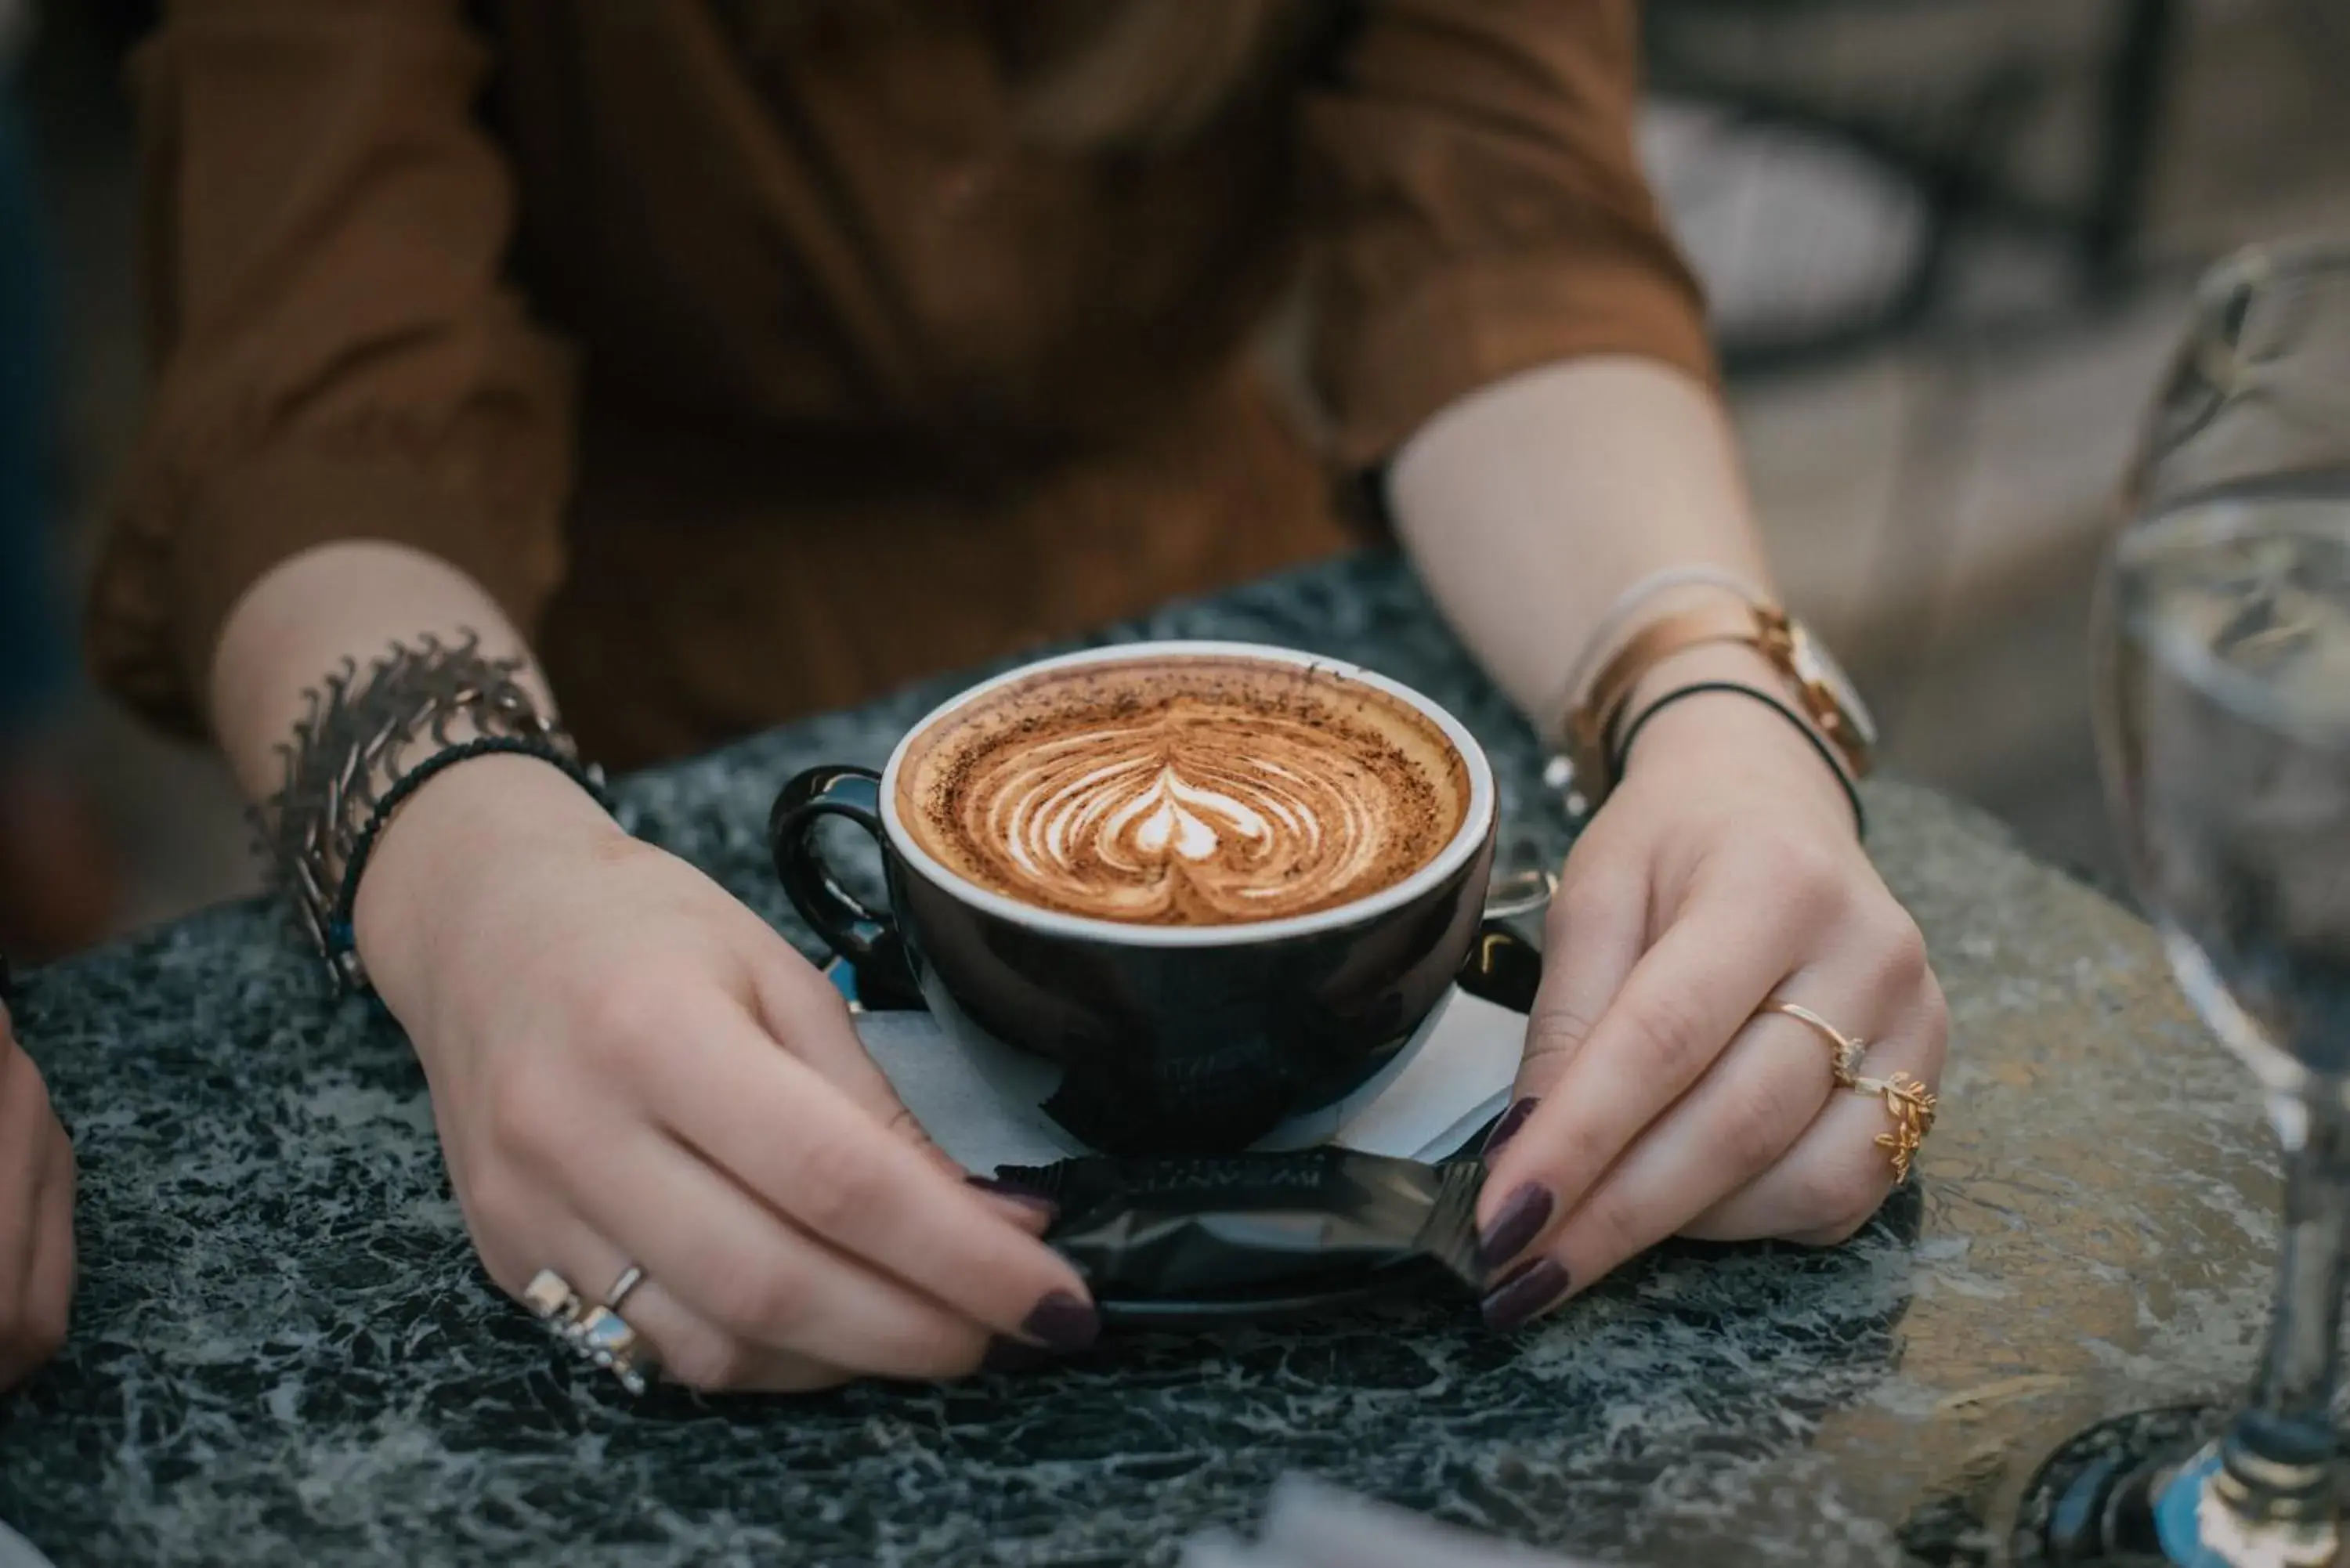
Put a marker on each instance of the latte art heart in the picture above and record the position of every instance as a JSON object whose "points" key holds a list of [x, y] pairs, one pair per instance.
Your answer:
{"points": [[1133, 821], [1229, 794]]}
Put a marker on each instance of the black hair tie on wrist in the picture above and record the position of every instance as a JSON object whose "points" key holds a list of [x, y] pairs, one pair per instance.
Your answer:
{"points": [[342, 934], [1844, 780]]}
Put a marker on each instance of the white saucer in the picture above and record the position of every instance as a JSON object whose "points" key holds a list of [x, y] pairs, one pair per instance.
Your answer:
{"points": [[982, 1102], [15, 1552]]}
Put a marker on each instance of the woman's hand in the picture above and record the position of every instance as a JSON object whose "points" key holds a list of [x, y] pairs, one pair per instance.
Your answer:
{"points": [[1723, 872], [628, 1066], [36, 1243]]}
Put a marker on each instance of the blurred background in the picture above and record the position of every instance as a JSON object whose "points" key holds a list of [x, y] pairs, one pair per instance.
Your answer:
{"points": [[1947, 243]]}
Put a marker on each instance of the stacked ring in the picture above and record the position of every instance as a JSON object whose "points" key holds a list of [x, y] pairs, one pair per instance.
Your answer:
{"points": [[1912, 1106], [1907, 1099], [596, 1334]]}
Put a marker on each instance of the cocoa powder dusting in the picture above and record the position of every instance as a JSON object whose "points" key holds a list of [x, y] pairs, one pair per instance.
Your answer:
{"points": [[1185, 791]]}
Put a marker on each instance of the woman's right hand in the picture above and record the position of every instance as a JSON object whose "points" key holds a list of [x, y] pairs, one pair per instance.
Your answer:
{"points": [[629, 1066]]}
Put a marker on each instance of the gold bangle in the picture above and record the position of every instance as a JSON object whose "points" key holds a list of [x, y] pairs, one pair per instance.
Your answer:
{"points": [[1629, 607], [1589, 726], [1823, 695]]}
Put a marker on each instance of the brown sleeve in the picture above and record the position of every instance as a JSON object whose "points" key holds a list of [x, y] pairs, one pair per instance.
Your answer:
{"points": [[337, 357], [1479, 209]]}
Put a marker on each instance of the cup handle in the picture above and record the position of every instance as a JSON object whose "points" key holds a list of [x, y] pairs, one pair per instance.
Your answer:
{"points": [[1502, 968], [856, 933]]}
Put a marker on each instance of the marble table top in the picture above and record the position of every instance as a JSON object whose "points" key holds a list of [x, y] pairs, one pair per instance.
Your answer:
{"points": [[283, 1352]]}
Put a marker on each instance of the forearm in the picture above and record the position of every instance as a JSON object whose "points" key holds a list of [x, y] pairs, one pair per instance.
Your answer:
{"points": [[1529, 507], [350, 600]]}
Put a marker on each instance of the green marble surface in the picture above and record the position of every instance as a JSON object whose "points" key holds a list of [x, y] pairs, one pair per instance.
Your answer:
{"points": [[285, 1352]]}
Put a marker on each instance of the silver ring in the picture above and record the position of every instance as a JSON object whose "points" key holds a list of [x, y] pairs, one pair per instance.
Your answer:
{"points": [[596, 1334], [630, 1278], [611, 1341], [552, 1299]]}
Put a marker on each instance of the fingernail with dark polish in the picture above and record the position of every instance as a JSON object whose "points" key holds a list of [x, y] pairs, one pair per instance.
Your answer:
{"points": [[1013, 1356], [1516, 1224], [1524, 1291], [1062, 1323], [1507, 1127], [994, 1188]]}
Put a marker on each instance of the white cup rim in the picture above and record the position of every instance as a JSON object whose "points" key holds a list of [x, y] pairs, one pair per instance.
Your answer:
{"points": [[1476, 823]]}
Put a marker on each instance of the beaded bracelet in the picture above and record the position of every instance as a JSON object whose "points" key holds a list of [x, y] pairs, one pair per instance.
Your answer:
{"points": [[1623, 749], [342, 937]]}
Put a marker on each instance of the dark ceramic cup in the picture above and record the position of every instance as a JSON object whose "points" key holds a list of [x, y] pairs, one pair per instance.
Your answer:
{"points": [[1167, 1039]]}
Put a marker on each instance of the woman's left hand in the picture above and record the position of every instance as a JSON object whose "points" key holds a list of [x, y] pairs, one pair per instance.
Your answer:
{"points": [[1655, 1100]]}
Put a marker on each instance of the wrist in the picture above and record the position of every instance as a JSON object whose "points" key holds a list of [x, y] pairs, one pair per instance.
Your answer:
{"points": [[457, 838], [1726, 734], [1738, 661]]}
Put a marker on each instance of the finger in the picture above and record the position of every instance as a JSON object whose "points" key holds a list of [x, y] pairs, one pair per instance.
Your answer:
{"points": [[25, 1126], [798, 1004], [1591, 940], [1737, 1122], [711, 1361], [1676, 1012], [806, 1149], [738, 1266], [1837, 1175], [1032, 1212], [49, 1289], [35, 1225], [679, 1343]]}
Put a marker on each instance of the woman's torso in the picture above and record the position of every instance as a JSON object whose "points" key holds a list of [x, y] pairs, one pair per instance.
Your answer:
{"points": [[871, 384]]}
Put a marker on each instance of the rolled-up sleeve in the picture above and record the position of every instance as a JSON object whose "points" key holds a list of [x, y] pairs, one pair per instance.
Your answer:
{"points": [[1478, 209], [337, 354]]}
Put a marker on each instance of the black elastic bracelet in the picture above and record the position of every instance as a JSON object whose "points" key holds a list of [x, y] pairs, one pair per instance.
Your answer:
{"points": [[340, 936], [1843, 779]]}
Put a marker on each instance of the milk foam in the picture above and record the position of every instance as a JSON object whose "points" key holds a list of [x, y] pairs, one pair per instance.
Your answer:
{"points": [[1186, 792]]}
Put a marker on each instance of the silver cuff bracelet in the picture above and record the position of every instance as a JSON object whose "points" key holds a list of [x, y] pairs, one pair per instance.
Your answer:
{"points": [[366, 743]]}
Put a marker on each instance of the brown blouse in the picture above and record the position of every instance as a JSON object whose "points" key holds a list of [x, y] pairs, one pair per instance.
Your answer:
{"points": [[755, 369]]}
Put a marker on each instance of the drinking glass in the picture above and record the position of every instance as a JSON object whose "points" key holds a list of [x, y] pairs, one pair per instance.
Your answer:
{"points": [[2222, 639]]}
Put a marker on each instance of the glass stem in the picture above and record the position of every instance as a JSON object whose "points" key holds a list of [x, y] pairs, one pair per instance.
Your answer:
{"points": [[2279, 1453]]}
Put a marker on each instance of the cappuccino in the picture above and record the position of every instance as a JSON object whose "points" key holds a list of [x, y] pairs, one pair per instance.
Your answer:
{"points": [[1184, 790]]}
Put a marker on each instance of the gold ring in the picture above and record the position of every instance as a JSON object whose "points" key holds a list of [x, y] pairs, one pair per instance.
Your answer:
{"points": [[1911, 1105], [1848, 1049], [595, 1334]]}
